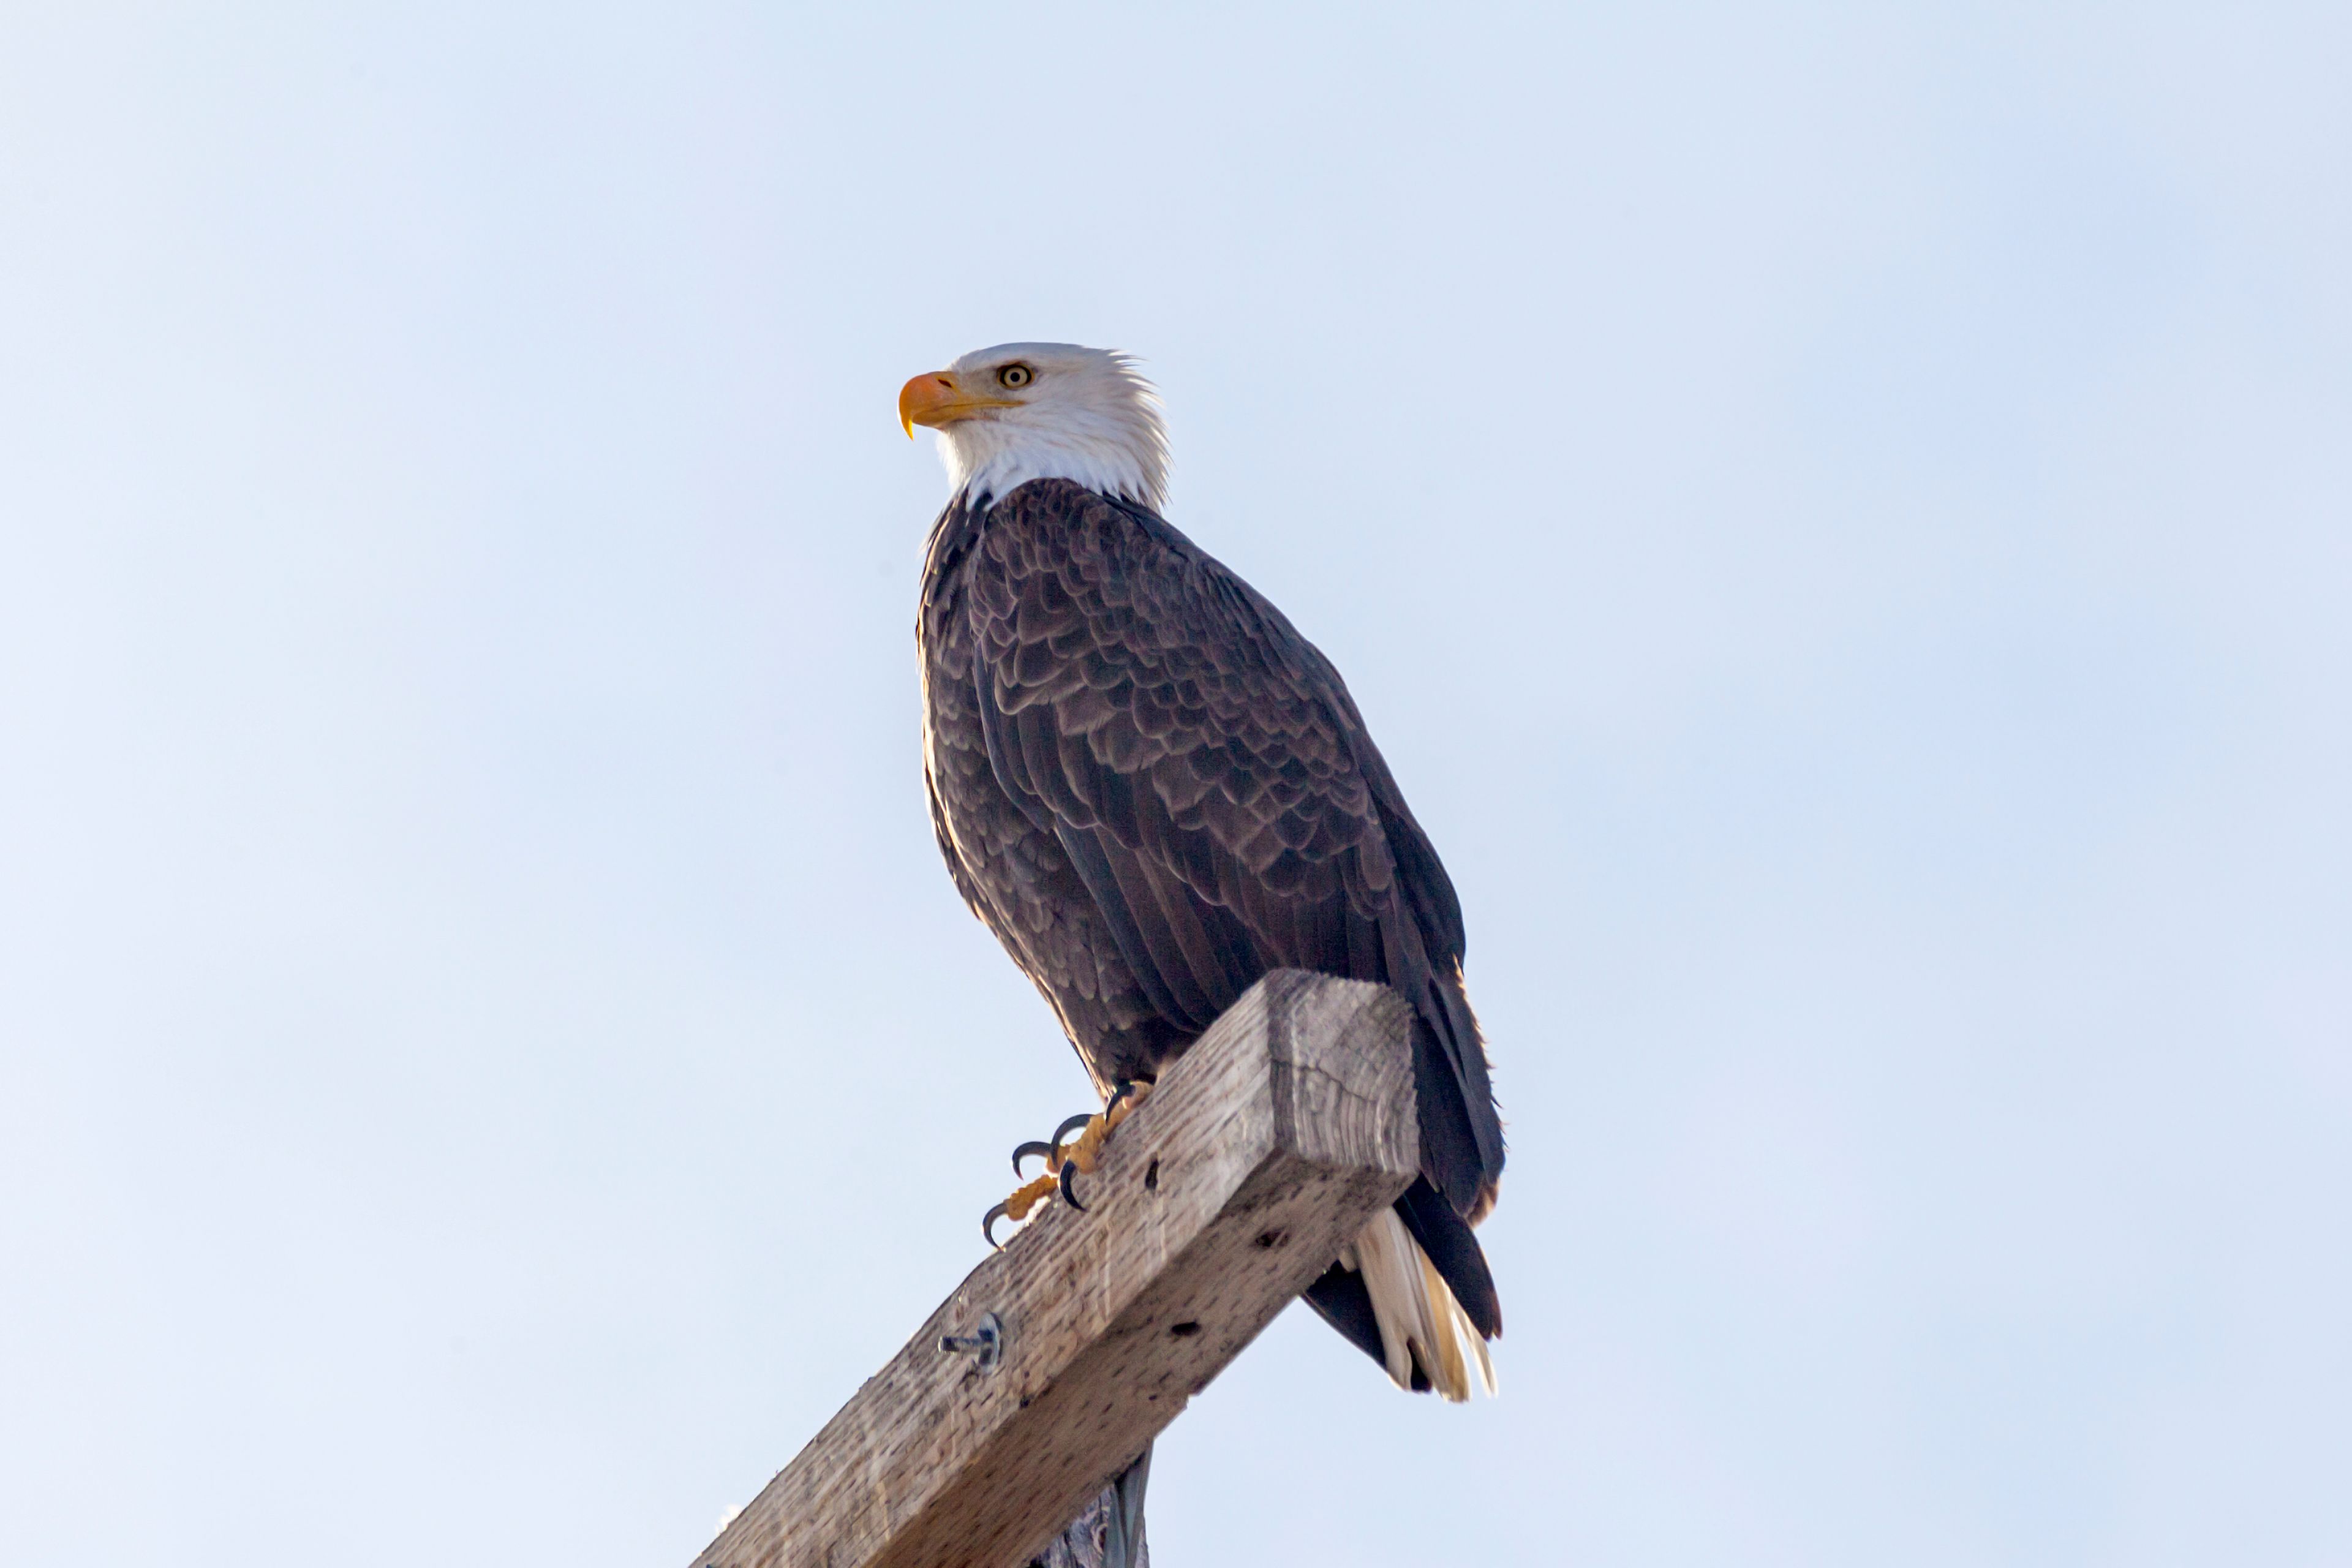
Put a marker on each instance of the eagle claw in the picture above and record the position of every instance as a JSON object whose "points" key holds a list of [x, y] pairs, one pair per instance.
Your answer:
{"points": [[1064, 1161]]}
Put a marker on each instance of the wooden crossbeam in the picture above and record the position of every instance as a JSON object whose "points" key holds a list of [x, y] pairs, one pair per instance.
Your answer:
{"points": [[1261, 1153]]}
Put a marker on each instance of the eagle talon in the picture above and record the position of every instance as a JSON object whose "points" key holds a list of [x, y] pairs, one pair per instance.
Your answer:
{"points": [[1018, 1204], [1066, 1161], [1069, 1125]]}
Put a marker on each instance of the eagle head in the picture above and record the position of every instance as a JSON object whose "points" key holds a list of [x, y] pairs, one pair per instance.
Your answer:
{"points": [[1042, 411]]}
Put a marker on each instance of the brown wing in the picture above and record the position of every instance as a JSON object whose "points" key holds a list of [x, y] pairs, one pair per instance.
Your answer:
{"points": [[1212, 785]]}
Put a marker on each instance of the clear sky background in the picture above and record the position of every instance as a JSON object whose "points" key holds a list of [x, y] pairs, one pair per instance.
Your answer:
{"points": [[1840, 519]]}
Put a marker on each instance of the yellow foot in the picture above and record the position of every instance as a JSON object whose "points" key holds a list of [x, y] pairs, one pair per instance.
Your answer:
{"points": [[1086, 1149], [1064, 1161]]}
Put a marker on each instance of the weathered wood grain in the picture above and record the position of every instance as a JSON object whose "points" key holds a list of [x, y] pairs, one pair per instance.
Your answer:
{"points": [[1261, 1153]]}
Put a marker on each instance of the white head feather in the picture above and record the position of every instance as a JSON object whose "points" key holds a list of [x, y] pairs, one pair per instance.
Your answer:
{"points": [[1019, 412]]}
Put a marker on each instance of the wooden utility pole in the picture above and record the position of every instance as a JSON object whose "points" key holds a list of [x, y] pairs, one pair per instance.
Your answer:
{"points": [[1262, 1152]]}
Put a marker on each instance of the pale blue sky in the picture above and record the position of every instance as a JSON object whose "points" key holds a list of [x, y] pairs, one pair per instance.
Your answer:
{"points": [[1840, 519]]}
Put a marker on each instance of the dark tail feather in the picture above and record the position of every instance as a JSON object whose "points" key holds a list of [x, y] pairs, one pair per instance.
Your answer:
{"points": [[1453, 1248], [1340, 1300], [1108, 1532]]}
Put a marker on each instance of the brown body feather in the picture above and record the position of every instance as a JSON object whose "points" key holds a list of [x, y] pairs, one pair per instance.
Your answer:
{"points": [[1153, 789]]}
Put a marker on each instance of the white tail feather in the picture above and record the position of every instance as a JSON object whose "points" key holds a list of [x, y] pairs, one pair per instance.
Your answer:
{"points": [[1416, 1311]]}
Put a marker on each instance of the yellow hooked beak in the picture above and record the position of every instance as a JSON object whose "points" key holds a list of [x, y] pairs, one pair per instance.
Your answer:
{"points": [[935, 398]]}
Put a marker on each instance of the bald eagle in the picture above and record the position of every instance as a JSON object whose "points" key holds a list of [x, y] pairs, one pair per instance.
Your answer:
{"points": [[1153, 789]]}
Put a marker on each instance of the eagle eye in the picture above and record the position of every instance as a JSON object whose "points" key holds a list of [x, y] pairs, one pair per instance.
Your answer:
{"points": [[1015, 375]]}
